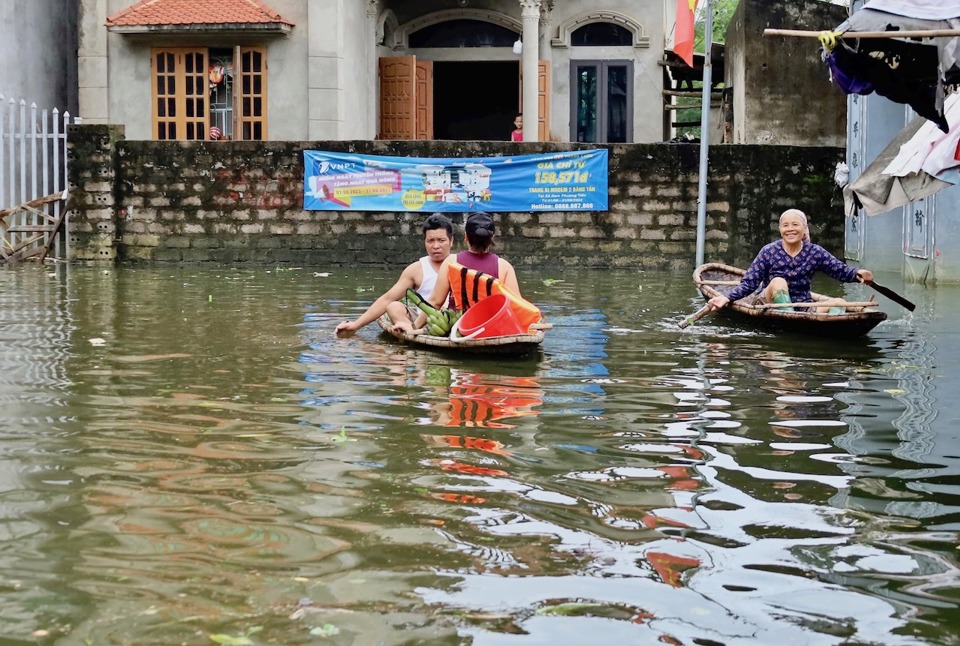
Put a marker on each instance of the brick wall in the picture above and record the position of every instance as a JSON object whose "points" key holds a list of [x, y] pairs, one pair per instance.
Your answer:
{"points": [[241, 202]]}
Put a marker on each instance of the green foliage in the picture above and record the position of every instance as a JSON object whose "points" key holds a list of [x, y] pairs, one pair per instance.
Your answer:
{"points": [[722, 14], [722, 11]]}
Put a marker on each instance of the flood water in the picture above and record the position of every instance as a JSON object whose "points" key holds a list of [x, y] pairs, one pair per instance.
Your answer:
{"points": [[188, 456]]}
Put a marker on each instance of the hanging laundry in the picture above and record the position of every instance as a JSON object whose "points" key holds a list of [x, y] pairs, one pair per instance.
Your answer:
{"points": [[900, 71], [915, 71]]}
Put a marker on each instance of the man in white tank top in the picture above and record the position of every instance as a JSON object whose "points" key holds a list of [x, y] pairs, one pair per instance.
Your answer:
{"points": [[420, 276], [429, 276]]}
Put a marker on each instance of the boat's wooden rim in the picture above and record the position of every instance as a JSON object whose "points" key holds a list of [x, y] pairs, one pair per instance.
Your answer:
{"points": [[445, 342], [855, 310]]}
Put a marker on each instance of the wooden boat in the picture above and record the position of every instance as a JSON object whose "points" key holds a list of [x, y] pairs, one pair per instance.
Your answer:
{"points": [[514, 345], [713, 279]]}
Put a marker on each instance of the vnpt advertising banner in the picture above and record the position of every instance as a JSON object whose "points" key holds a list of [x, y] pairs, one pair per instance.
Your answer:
{"points": [[562, 181]]}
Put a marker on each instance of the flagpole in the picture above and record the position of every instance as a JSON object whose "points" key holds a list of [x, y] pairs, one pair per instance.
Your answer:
{"points": [[707, 96]]}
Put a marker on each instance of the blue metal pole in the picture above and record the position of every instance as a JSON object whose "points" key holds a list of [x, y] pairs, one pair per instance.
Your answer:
{"points": [[704, 131]]}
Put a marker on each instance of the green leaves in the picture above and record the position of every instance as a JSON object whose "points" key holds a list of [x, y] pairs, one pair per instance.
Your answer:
{"points": [[239, 640]]}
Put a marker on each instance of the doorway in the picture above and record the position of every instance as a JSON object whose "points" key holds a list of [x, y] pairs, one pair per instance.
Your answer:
{"points": [[475, 100]]}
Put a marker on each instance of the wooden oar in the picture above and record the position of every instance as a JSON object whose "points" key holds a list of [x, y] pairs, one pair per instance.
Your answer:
{"points": [[696, 316], [540, 326], [892, 295]]}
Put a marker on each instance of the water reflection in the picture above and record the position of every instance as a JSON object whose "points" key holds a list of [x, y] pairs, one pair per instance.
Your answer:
{"points": [[188, 453]]}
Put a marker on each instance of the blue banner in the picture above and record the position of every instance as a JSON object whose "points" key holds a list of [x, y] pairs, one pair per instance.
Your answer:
{"points": [[561, 181]]}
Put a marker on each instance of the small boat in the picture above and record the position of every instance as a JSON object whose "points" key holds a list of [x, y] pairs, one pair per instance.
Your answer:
{"points": [[713, 279], [514, 345]]}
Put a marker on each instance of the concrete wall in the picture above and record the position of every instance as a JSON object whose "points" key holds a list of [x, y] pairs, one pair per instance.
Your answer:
{"points": [[38, 42], [237, 202], [782, 91], [342, 74]]}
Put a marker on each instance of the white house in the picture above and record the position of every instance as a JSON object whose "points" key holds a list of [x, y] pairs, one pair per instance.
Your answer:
{"points": [[579, 70]]}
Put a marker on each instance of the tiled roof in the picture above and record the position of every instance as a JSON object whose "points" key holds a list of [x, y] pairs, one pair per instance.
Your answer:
{"points": [[148, 13]]}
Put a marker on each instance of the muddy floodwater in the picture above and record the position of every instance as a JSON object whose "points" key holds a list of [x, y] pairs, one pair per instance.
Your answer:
{"points": [[188, 456]]}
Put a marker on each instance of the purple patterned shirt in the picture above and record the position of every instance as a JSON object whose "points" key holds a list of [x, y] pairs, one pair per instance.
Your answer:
{"points": [[773, 262]]}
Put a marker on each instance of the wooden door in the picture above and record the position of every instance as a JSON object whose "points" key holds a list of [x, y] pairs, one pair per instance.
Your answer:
{"points": [[398, 95], [543, 99], [424, 101]]}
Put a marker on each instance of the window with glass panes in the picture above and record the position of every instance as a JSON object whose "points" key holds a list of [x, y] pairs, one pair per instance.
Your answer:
{"points": [[199, 88]]}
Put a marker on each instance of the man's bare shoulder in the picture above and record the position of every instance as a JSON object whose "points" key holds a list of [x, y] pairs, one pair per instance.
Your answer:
{"points": [[414, 273]]}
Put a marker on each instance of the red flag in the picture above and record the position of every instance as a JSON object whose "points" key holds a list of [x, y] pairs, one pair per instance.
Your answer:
{"points": [[683, 35]]}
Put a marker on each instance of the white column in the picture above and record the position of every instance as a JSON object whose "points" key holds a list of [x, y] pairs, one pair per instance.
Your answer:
{"points": [[530, 12]]}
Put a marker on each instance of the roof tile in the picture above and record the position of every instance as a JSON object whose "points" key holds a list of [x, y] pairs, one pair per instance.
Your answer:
{"points": [[193, 12]]}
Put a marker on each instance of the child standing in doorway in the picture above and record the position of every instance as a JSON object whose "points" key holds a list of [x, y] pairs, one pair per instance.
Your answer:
{"points": [[517, 134]]}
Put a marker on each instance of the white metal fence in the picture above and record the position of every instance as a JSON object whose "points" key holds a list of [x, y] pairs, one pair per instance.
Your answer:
{"points": [[33, 166]]}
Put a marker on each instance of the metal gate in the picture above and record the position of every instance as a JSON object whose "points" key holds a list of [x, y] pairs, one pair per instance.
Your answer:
{"points": [[33, 182]]}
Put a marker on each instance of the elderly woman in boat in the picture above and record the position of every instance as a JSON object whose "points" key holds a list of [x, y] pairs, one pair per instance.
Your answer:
{"points": [[785, 268]]}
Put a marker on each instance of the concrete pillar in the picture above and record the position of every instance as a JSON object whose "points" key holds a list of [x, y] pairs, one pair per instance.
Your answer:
{"points": [[325, 72], [530, 12], [93, 219], [92, 76]]}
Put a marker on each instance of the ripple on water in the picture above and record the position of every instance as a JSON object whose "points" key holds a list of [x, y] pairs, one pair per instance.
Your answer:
{"points": [[222, 465]]}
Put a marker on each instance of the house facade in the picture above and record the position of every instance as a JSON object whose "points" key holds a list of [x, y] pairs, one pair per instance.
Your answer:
{"points": [[578, 70]]}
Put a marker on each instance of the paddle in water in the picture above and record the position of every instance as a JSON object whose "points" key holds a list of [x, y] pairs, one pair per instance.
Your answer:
{"points": [[892, 295], [693, 318]]}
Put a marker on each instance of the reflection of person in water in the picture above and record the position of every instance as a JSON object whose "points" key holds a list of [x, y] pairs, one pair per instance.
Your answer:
{"points": [[479, 400], [476, 400]]}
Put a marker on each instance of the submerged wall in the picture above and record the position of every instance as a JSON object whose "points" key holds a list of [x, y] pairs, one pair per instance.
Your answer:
{"points": [[242, 202]]}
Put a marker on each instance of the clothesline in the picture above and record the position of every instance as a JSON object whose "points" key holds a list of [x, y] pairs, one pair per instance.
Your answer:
{"points": [[916, 33]]}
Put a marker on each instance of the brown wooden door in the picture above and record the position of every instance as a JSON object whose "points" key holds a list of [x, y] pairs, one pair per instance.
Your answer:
{"points": [[424, 113], [398, 95], [543, 99]]}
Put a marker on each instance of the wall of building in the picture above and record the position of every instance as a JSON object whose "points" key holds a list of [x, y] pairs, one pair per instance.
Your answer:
{"points": [[37, 47], [242, 202], [782, 93], [288, 72], [342, 74], [92, 90], [323, 76], [114, 69]]}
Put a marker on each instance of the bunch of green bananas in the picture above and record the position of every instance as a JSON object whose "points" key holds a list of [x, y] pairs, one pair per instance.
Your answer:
{"points": [[439, 322]]}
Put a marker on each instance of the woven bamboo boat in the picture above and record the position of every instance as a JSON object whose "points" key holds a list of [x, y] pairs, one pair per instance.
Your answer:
{"points": [[514, 345], [713, 279]]}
